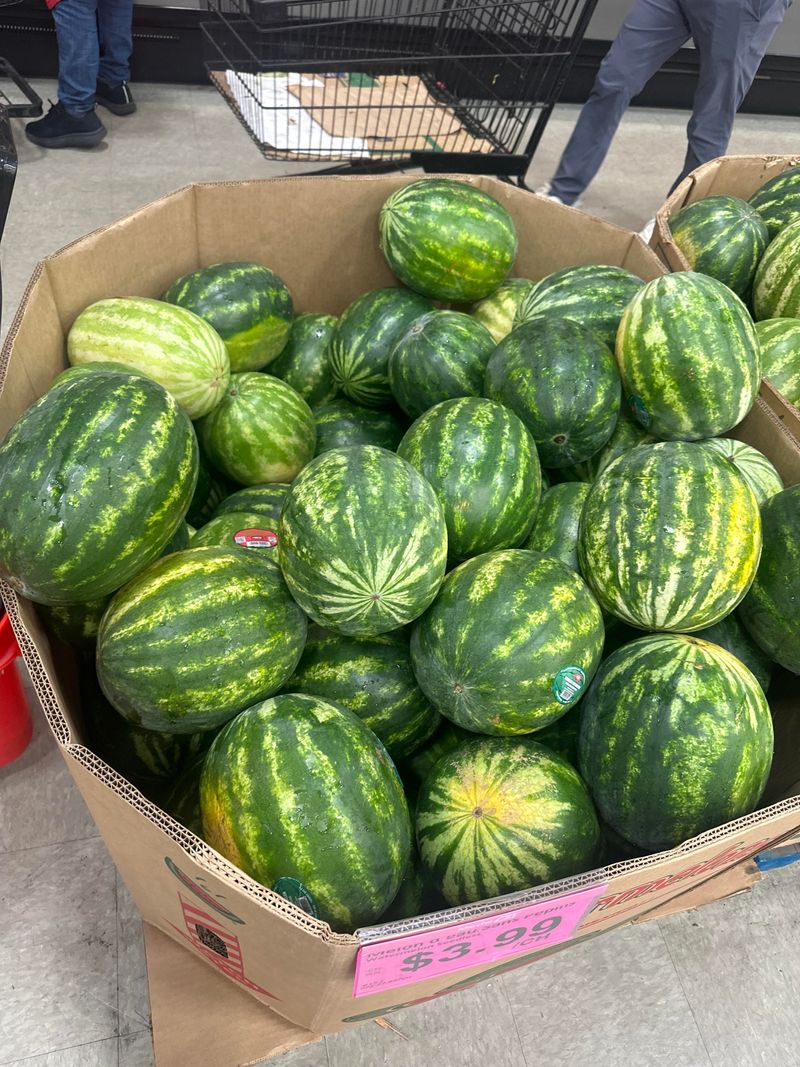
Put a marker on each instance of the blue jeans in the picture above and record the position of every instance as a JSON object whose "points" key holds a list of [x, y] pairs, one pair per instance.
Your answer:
{"points": [[731, 37], [95, 42]]}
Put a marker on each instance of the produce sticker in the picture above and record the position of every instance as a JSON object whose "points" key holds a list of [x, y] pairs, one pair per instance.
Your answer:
{"points": [[413, 957]]}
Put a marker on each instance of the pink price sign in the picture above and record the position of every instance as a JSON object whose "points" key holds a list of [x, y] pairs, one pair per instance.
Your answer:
{"points": [[414, 957]]}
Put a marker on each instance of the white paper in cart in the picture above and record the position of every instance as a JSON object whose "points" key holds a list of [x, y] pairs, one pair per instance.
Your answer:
{"points": [[276, 118]]}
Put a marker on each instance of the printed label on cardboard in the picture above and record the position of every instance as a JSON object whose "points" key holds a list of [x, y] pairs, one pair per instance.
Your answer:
{"points": [[402, 960]]}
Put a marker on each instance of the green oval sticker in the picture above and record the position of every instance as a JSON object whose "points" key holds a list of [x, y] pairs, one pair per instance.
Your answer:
{"points": [[568, 684], [293, 890]]}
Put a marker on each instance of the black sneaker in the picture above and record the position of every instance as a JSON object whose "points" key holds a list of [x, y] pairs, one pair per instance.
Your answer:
{"points": [[61, 129], [116, 98]]}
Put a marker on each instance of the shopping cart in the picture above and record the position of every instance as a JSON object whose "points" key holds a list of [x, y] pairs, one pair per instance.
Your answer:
{"points": [[29, 106], [446, 85]]}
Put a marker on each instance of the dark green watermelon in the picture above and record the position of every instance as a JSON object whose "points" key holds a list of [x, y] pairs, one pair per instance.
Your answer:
{"points": [[248, 305], [731, 635], [265, 500], [304, 362], [363, 341], [442, 355], [778, 200], [561, 380], [341, 423], [556, 522]]}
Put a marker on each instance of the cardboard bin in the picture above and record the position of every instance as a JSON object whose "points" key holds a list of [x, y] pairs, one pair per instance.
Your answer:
{"points": [[320, 235]]}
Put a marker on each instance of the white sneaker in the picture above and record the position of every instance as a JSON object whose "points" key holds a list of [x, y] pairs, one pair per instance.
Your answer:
{"points": [[646, 231], [544, 190]]}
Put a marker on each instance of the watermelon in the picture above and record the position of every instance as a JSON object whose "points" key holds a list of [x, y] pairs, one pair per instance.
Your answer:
{"points": [[561, 736], [562, 382], [555, 527], [447, 240], [778, 200], [732, 636], [594, 295], [498, 310], [182, 801], [169, 344], [419, 765], [362, 541], [627, 435], [675, 738], [670, 537], [754, 467], [90, 368], [498, 816], [340, 423], [76, 624], [689, 357], [210, 490], [770, 611], [179, 540], [196, 638], [304, 362], [303, 797], [482, 464], [363, 339], [261, 431], [509, 644], [248, 305], [443, 354], [249, 530], [722, 236], [776, 289], [780, 355], [94, 478], [372, 677], [265, 500], [409, 901]]}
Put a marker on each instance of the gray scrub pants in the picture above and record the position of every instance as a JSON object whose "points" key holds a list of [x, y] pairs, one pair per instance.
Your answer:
{"points": [[731, 37]]}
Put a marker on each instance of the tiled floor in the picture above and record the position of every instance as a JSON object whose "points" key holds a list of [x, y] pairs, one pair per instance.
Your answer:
{"points": [[714, 988]]}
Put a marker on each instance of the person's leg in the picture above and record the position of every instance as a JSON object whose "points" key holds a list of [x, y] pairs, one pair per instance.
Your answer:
{"points": [[72, 122], [652, 31], [115, 21], [731, 37]]}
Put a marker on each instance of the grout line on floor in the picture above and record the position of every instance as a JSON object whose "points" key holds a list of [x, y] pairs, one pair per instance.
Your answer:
{"points": [[54, 1051], [513, 1018], [685, 994]]}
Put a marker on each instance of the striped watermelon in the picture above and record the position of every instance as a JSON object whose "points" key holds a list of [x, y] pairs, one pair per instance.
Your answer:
{"points": [[76, 624], [304, 363], [689, 357], [410, 899], [302, 796], [248, 530], [778, 200], [729, 634], [362, 541], [182, 801], [562, 382], [498, 310], [482, 464], [594, 295], [561, 736], [90, 368], [754, 467], [265, 500], [670, 537], [776, 289], [363, 339], [210, 490], [722, 236], [443, 354], [261, 431], [94, 478], [770, 611], [509, 644], [171, 345], [555, 527], [372, 677], [627, 435], [248, 305], [498, 816], [675, 738], [196, 638], [418, 766], [447, 240], [340, 423], [780, 355]]}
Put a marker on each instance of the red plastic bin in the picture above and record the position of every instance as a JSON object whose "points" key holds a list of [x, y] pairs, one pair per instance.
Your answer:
{"points": [[16, 726]]}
